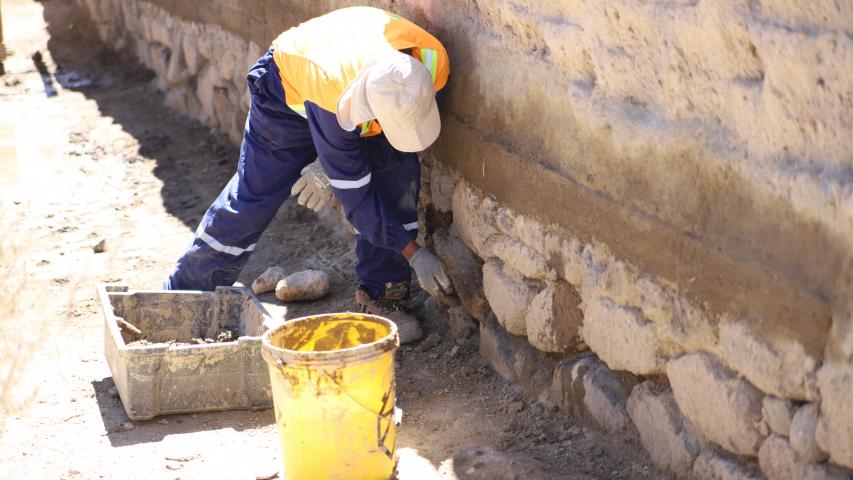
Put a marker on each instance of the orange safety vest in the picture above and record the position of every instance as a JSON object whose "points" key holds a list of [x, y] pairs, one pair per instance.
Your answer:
{"points": [[319, 58]]}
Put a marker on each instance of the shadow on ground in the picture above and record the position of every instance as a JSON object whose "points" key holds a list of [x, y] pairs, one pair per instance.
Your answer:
{"points": [[115, 420]]}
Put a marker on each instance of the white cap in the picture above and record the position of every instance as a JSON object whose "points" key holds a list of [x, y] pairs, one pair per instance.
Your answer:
{"points": [[397, 90]]}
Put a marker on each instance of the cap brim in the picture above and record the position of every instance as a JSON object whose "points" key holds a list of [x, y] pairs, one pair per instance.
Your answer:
{"points": [[418, 138], [352, 107]]}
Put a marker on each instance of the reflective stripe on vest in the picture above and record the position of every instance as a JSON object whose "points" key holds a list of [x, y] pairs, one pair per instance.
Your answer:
{"points": [[429, 58]]}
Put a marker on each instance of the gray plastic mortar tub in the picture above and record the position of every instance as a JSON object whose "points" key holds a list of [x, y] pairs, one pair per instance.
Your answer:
{"points": [[162, 378]]}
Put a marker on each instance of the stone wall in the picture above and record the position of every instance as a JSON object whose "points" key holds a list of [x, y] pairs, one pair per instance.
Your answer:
{"points": [[648, 206]]}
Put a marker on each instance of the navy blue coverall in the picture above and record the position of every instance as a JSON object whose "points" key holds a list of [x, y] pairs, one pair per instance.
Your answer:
{"points": [[376, 185]]}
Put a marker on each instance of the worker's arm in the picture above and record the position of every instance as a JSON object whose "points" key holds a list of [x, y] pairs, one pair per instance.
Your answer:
{"points": [[343, 158]]}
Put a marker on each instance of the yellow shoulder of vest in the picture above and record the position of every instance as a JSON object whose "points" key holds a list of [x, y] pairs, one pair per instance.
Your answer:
{"points": [[318, 59]]}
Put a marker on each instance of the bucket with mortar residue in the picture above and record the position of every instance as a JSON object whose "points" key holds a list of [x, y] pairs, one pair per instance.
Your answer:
{"points": [[334, 393]]}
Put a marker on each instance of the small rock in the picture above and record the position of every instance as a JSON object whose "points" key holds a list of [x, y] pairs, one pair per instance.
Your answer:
{"points": [[778, 414], [304, 285], [163, 421], [127, 426], [113, 392], [663, 430], [454, 351], [779, 462], [101, 246], [268, 280], [803, 428], [460, 324], [835, 429], [430, 341], [432, 312], [432, 356], [174, 466], [515, 407], [468, 371], [719, 466]]}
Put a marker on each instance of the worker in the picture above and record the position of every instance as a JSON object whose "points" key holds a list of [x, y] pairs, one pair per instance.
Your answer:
{"points": [[355, 89]]}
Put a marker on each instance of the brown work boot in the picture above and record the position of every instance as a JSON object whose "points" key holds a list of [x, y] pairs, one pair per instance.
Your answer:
{"points": [[392, 305]]}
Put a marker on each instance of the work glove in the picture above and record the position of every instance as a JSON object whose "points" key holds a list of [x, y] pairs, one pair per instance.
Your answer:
{"points": [[313, 187], [430, 273]]}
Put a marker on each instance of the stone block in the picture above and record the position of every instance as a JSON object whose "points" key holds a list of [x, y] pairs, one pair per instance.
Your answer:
{"points": [[508, 296], [605, 397], [460, 325], [470, 219], [177, 73], [679, 320], [567, 384], [680, 324], [534, 370], [205, 84], [779, 462], [835, 427], [621, 336], [519, 257], [442, 185], [465, 272], [780, 367], [158, 60], [498, 348], [554, 318], [210, 42], [583, 386], [714, 465], [802, 438], [570, 267], [778, 413], [223, 109], [192, 56], [723, 407], [515, 360], [664, 432]]}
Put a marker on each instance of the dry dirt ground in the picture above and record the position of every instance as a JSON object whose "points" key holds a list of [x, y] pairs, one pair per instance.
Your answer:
{"points": [[88, 152]]}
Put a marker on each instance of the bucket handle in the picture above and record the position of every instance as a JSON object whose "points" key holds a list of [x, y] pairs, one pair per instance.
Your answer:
{"points": [[381, 435]]}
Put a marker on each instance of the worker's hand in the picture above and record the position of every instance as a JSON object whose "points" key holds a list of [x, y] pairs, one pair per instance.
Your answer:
{"points": [[312, 188], [430, 273]]}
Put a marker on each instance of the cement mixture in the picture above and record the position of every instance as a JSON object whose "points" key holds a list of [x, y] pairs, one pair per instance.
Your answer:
{"points": [[98, 157]]}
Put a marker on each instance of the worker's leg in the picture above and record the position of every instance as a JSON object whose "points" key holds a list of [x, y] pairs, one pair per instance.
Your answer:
{"points": [[276, 146], [396, 175]]}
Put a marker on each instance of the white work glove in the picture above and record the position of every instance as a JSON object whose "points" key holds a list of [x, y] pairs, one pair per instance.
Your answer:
{"points": [[430, 273], [313, 187]]}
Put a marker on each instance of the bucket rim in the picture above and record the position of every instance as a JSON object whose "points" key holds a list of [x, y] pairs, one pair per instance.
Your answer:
{"points": [[279, 356]]}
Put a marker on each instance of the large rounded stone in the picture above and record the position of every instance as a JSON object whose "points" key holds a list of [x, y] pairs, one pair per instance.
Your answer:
{"points": [[725, 408]]}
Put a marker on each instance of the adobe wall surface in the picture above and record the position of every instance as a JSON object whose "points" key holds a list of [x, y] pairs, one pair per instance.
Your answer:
{"points": [[648, 206]]}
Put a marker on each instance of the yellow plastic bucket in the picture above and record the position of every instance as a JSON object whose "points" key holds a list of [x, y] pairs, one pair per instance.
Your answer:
{"points": [[334, 395]]}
